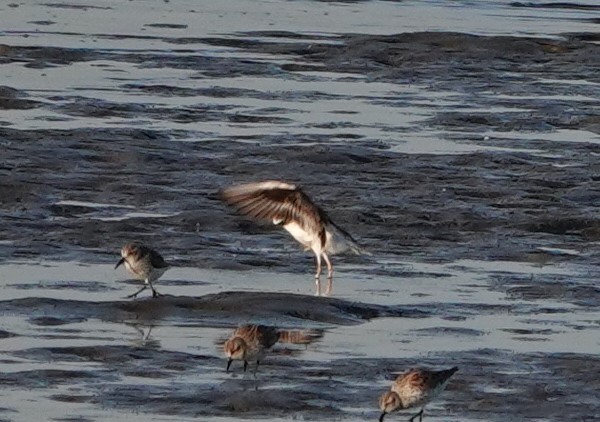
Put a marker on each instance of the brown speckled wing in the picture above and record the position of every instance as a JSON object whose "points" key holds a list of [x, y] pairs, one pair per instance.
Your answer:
{"points": [[411, 386], [416, 385], [262, 335], [276, 201], [268, 335], [156, 259], [417, 378]]}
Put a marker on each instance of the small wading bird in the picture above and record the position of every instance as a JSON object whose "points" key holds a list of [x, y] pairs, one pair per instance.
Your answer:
{"points": [[414, 388], [251, 342], [143, 263], [288, 206]]}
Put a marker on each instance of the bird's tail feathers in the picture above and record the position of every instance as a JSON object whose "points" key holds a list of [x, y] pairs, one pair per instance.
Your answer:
{"points": [[342, 241], [300, 336], [444, 375]]}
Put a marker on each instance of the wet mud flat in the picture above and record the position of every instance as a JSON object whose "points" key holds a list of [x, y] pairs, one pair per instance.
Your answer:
{"points": [[159, 358], [519, 177], [467, 163]]}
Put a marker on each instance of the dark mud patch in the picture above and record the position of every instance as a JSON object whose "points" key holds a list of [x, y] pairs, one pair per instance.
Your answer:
{"points": [[166, 25], [525, 381], [43, 23], [44, 378], [73, 419], [6, 334], [239, 402], [70, 398], [75, 6], [579, 291], [13, 99], [487, 379], [491, 206], [54, 321], [527, 331], [122, 358], [225, 308], [453, 331], [556, 5], [83, 286]]}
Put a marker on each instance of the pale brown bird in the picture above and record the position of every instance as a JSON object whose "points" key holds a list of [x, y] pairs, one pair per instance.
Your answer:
{"points": [[251, 342], [414, 388], [287, 205], [143, 263]]}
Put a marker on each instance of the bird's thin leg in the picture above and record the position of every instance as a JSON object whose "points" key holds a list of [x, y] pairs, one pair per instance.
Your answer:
{"points": [[137, 293], [329, 274], [318, 258], [420, 415], [245, 365], [154, 292], [318, 275], [256, 368], [329, 266]]}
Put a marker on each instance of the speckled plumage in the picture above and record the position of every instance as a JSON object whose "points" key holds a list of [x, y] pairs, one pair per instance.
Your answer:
{"points": [[251, 342], [414, 388], [143, 263]]}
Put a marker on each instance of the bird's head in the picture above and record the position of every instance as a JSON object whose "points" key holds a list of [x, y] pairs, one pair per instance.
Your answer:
{"points": [[235, 348], [388, 402], [129, 250]]}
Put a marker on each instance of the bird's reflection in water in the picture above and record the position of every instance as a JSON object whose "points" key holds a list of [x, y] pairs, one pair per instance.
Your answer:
{"points": [[249, 343], [144, 337]]}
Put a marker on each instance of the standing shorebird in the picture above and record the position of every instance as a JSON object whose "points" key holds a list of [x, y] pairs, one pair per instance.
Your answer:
{"points": [[251, 342], [288, 206], [414, 388], [144, 263]]}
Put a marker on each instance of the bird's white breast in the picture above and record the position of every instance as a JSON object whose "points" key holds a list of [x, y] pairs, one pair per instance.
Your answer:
{"points": [[300, 234]]}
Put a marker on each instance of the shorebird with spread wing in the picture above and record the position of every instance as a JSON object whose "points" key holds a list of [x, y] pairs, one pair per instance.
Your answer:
{"points": [[287, 205]]}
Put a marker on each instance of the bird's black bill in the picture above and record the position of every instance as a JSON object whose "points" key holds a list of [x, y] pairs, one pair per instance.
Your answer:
{"points": [[381, 417], [228, 365], [119, 263]]}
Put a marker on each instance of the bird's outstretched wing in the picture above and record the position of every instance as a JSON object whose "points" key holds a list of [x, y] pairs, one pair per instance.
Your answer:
{"points": [[278, 202], [257, 335]]}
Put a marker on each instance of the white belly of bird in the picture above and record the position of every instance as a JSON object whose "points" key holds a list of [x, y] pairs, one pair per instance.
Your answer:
{"points": [[134, 271], [300, 234]]}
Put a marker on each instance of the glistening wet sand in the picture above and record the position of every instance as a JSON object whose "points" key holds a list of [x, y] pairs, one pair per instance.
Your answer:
{"points": [[458, 143]]}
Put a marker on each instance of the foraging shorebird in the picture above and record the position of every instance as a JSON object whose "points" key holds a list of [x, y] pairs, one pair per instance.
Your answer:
{"points": [[251, 342], [288, 206], [144, 263], [414, 388]]}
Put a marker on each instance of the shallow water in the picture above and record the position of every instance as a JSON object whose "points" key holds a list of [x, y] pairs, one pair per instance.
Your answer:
{"points": [[458, 141]]}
